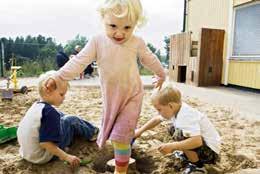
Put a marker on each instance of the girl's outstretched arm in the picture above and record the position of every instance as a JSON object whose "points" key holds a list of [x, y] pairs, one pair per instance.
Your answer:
{"points": [[150, 61], [79, 62]]}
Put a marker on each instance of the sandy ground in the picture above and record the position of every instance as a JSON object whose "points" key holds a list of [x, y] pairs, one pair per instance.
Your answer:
{"points": [[245, 102], [240, 136]]}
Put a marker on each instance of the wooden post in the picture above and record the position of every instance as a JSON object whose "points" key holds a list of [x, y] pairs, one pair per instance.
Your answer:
{"points": [[2, 59], [171, 68]]}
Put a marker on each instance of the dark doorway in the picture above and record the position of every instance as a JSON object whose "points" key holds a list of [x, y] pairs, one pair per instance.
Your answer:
{"points": [[182, 74]]}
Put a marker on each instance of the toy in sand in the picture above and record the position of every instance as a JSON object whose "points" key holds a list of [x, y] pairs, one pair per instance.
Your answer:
{"points": [[111, 165], [7, 133]]}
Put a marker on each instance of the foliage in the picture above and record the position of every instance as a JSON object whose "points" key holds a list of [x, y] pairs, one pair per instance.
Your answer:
{"points": [[38, 54], [167, 49], [35, 68], [70, 46], [144, 71], [34, 54]]}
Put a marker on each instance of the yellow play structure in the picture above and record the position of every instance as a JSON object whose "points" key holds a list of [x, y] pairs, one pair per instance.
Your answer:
{"points": [[12, 83]]}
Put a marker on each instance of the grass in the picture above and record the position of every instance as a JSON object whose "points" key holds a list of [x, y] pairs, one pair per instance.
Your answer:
{"points": [[145, 72]]}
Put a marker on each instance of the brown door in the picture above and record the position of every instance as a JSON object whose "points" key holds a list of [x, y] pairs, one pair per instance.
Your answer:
{"points": [[211, 57]]}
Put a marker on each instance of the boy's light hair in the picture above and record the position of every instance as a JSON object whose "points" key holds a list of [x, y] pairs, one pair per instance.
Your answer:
{"points": [[120, 8], [167, 94], [43, 79]]}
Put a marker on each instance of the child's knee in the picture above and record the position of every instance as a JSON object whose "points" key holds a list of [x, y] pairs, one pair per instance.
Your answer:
{"points": [[203, 153], [70, 118], [207, 155]]}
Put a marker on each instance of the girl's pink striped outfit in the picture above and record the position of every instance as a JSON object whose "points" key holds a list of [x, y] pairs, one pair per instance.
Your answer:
{"points": [[121, 85]]}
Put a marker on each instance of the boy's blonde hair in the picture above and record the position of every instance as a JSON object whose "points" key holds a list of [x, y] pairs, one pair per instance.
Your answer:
{"points": [[44, 78], [167, 94], [120, 8]]}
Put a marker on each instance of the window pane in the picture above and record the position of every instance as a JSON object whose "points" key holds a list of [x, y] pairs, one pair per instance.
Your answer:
{"points": [[247, 31]]}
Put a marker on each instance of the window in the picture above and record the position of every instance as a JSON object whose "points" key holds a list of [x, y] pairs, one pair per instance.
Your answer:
{"points": [[246, 39]]}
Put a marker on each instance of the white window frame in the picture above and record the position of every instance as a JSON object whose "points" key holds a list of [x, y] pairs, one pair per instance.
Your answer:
{"points": [[241, 57]]}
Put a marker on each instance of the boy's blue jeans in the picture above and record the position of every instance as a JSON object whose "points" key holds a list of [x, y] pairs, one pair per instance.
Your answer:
{"points": [[72, 126]]}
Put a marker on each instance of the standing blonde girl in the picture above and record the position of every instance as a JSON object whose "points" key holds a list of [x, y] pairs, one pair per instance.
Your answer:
{"points": [[116, 52]]}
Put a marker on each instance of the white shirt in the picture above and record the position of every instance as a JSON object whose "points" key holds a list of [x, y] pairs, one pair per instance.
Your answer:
{"points": [[194, 123], [28, 136]]}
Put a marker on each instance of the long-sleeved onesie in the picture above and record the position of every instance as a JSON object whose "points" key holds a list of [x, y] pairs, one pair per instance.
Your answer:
{"points": [[121, 85]]}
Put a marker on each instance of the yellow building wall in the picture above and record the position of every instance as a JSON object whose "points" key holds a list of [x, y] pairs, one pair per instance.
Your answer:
{"points": [[215, 14], [244, 73], [239, 2], [208, 14]]}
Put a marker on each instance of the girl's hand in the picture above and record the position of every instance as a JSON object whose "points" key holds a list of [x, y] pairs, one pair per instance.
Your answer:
{"points": [[72, 160], [167, 148], [52, 83], [157, 82]]}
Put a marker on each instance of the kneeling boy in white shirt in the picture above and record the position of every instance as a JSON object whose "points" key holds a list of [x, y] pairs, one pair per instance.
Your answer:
{"points": [[192, 131]]}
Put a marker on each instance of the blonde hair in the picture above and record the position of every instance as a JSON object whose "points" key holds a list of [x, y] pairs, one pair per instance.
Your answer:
{"points": [[44, 78], [120, 8], [167, 94]]}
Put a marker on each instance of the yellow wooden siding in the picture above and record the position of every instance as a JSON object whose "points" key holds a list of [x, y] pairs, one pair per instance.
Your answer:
{"points": [[207, 14], [244, 73], [215, 14], [239, 2], [257, 83], [224, 56]]}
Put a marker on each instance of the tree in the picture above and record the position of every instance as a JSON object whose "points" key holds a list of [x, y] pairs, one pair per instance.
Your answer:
{"points": [[9, 46], [41, 41], [34, 54], [46, 56], [158, 54], [151, 47], [167, 48], [78, 40]]}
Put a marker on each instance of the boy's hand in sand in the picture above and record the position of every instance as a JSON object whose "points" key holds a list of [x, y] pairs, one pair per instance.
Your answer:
{"points": [[138, 133], [72, 160], [167, 148]]}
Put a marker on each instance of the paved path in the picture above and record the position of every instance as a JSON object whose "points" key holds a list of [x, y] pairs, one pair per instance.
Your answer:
{"points": [[247, 103]]}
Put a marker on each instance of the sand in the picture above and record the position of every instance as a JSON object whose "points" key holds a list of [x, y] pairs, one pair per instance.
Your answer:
{"points": [[240, 137]]}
